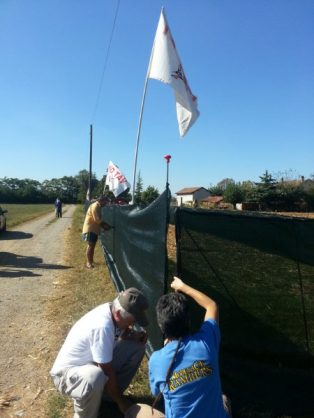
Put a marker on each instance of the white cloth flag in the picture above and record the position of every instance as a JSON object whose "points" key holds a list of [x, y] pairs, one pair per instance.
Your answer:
{"points": [[116, 180], [166, 66]]}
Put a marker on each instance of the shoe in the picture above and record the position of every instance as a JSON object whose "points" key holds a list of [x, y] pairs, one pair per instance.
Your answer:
{"points": [[89, 266]]}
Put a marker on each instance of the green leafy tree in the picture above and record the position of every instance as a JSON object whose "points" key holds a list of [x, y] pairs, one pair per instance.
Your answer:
{"points": [[233, 194], [289, 197], [149, 195], [83, 181], [216, 190], [69, 189], [248, 190], [100, 187], [13, 190]]}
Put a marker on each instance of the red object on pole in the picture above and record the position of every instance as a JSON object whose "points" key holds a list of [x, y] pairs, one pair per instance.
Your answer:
{"points": [[167, 158]]}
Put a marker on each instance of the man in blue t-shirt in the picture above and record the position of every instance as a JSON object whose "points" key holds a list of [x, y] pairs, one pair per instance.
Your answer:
{"points": [[186, 371]]}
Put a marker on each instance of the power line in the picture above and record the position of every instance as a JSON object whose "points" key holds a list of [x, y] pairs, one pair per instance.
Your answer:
{"points": [[106, 61]]}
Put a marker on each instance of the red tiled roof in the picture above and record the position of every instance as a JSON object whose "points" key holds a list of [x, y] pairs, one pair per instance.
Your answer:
{"points": [[213, 199], [189, 190]]}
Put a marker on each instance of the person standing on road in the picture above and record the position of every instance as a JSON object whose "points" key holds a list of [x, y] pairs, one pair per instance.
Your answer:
{"points": [[102, 353], [58, 207], [93, 223], [186, 371]]}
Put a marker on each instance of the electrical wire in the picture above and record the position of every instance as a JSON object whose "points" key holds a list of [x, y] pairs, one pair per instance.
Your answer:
{"points": [[105, 62]]}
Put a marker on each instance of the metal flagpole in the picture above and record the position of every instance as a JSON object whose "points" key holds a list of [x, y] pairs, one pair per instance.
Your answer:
{"points": [[140, 122], [90, 163], [167, 158], [138, 136]]}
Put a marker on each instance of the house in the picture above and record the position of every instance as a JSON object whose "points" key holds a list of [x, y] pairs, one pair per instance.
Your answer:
{"points": [[191, 195], [212, 201]]}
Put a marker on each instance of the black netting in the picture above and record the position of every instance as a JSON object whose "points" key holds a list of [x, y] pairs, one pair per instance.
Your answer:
{"points": [[260, 269], [135, 251]]}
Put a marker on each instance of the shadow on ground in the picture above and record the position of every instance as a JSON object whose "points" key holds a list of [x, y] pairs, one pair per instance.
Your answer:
{"points": [[12, 235], [13, 265]]}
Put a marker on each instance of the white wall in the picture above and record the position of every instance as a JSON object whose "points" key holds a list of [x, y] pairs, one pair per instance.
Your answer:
{"points": [[188, 198], [183, 199]]}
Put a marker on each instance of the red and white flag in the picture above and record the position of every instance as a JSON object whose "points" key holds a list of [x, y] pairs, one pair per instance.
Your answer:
{"points": [[165, 66], [116, 180]]}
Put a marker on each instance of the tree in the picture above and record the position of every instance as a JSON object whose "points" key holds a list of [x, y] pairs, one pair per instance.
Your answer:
{"points": [[248, 188], [83, 181], [20, 190], [233, 194], [99, 188], [266, 190], [138, 190], [149, 195], [216, 190], [69, 189], [267, 179]]}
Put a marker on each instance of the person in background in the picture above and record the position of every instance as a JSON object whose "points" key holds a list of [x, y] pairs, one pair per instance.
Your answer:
{"points": [[58, 207], [102, 353], [186, 371], [93, 223]]}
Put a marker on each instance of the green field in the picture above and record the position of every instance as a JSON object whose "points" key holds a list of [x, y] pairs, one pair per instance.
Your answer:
{"points": [[19, 213]]}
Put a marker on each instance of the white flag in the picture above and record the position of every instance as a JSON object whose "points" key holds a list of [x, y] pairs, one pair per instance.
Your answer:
{"points": [[166, 66], [115, 180]]}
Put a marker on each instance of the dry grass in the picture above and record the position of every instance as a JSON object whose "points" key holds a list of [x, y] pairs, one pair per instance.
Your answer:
{"points": [[77, 291]]}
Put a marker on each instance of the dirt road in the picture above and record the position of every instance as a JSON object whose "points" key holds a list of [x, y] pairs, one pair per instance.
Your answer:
{"points": [[30, 261]]}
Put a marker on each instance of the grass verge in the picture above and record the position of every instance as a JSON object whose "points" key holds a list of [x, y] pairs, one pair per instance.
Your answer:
{"points": [[19, 213]]}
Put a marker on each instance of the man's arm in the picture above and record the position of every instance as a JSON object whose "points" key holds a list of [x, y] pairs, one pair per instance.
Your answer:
{"points": [[96, 211], [200, 298], [105, 226], [112, 388]]}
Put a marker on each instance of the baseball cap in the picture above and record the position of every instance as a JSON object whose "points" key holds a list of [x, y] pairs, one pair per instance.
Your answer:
{"points": [[134, 302]]}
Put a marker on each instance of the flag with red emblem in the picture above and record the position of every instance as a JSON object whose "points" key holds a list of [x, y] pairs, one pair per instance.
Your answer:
{"points": [[116, 180], [165, 66]]}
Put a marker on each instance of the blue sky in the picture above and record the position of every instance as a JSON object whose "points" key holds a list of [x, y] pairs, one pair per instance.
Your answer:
{"points": [[249, 62]]}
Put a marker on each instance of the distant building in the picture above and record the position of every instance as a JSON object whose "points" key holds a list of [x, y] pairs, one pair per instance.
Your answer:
{"points": [[191, 195], [212, 201]]}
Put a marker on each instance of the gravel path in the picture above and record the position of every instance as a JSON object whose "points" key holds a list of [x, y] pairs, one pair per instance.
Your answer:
{"points": [[31, 258]]}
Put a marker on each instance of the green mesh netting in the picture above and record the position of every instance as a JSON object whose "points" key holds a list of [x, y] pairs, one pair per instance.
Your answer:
{"points": [[260, 269], [135, 251]]}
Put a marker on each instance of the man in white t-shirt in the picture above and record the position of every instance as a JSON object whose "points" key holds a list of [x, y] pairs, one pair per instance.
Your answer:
{"points": [[101, 354]]}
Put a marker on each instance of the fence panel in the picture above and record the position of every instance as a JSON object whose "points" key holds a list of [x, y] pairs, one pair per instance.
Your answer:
{"points": [[260, 269]]}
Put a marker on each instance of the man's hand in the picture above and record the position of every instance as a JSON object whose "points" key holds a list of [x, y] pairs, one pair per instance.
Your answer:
{"points": [[177, 284], [106, 226], [131, 335], [200, 298]]}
